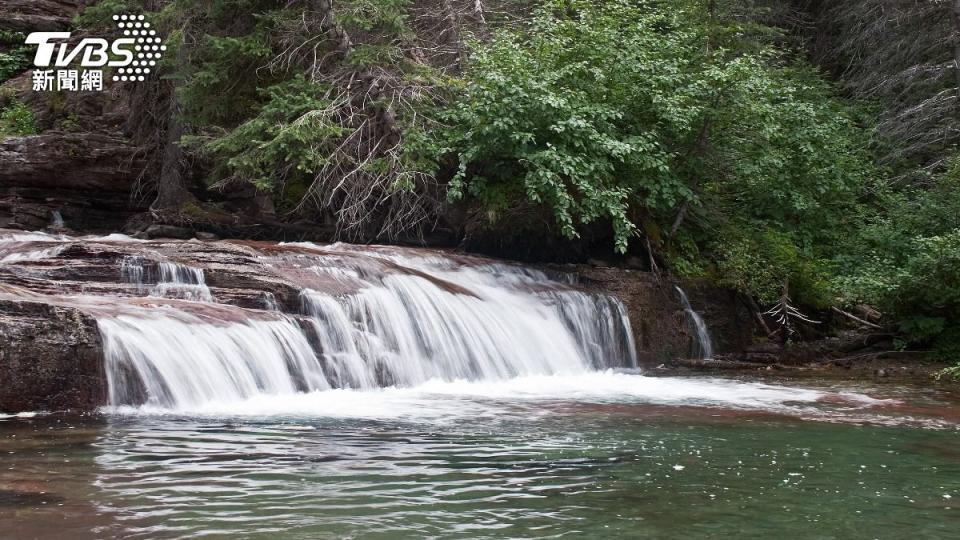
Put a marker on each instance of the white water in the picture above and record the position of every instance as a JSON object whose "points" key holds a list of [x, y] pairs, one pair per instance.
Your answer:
{"points": [[383, 333], [439, 401], [11, 251], [56, 220], [169, 279], [704, 344], [428, 319], [184, 361]]}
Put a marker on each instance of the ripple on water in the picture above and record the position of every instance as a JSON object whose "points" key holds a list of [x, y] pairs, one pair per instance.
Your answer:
{"points": [[464, 461]]}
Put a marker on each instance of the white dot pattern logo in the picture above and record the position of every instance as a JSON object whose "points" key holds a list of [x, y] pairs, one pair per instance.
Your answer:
{"points": [[149, 48]]}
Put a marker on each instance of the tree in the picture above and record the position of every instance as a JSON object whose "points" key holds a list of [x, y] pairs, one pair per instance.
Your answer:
{"points": [[905, 57], [622, 112]]}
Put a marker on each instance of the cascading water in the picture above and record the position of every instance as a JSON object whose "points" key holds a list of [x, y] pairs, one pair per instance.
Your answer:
{"points": [[341, 330], [169, 279], [252, 407], [56, 221], [171, 358], [704, 349], [384, 319]]}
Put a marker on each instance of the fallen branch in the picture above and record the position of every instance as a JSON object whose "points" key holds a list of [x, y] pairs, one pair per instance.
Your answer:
{"points": [[857, 319]]}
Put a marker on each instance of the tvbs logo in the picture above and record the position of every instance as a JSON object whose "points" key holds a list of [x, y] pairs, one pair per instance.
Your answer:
{"points": [[129, 58]]}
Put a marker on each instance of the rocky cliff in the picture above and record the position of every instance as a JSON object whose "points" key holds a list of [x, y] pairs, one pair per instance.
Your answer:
{"points": [[39, 15]]}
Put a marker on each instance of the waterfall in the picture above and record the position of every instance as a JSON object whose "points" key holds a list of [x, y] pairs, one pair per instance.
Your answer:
{"points": [[169, 279], [704, 345], [176, 359], [56, 221], [368, 317]]}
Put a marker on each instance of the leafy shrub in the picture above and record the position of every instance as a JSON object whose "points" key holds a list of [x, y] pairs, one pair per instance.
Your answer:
{"points": [[918, 286], [602, 109], [760, 260], [14, 55], [17, 120], [906, 261]]}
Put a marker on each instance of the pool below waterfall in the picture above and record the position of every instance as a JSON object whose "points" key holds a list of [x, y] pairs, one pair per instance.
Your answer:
{"points": [[603, 455]]}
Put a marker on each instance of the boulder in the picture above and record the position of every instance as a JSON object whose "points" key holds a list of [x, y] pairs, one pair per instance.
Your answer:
{"points": [[51, 358]]}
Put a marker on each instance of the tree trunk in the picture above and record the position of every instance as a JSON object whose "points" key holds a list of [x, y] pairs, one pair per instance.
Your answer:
{"points": [[328, 25], [454, 21], [172, 192], [956, 44]]}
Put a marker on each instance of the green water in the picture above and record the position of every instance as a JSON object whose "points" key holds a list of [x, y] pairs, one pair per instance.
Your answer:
{"points": [[541, 469]]}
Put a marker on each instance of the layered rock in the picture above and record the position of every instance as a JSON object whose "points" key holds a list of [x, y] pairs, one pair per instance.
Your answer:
{"points": [[85, 177], [80, 169], [53, 288], [662, 330]]}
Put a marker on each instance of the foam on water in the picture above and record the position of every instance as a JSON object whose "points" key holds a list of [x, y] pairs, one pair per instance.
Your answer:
{"points": [[451, 401], [34, 255], [25, 247], [117, 237], [14, 237]]}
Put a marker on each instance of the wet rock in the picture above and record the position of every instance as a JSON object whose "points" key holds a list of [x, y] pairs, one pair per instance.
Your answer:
{"points": [[50, 358], [659, 324], [762, 357], [168, 231], [845, 363]]}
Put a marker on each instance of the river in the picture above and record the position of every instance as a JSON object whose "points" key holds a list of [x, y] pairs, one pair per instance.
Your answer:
{"points": [[602, 455], [281, 391]]}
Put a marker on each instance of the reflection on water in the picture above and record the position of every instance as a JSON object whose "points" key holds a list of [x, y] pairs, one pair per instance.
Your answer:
{"points": [[537, 466]]}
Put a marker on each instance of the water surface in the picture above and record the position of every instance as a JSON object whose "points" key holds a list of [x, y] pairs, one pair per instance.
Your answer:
{"points": [[606, 455]]}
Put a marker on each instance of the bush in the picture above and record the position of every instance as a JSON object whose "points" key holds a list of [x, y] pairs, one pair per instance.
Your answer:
{"points": [[918, 286], [759, 260], [906, 262], [620, 111], [14, 55], [17, 120]]}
